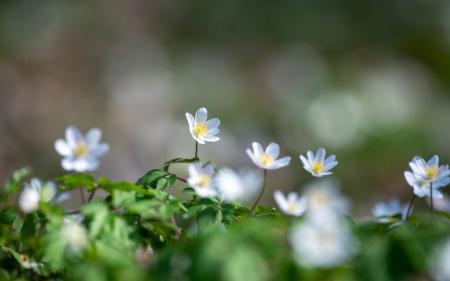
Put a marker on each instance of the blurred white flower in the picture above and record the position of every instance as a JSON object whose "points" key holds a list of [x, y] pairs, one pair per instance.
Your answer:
{"points": [[36, 191], [237, 187], [80, 152], [322, 243], [267, 159], [426, 174], [203, 130], [442, 204], [324, 199], [74, 235], [29, 200], [26, 262], [292, 204], [201, 179], [317, 165], [384, 210], [440, 268]]}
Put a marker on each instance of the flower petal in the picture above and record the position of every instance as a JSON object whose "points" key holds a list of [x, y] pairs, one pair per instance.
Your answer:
{"points": [[62, 148], [99, 150], [201, 115], [280, 163], [213, 123], [190, 120], [73, 136], [320, 155], [273, 149], [93, 137]]}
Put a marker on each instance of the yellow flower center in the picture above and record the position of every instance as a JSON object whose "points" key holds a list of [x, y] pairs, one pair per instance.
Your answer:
{"points": [[319, 199], [318, 166], [431, 172], [200, 129], [81, 150], [24, 258], [204, 181], [292, 206], [266, 159]]}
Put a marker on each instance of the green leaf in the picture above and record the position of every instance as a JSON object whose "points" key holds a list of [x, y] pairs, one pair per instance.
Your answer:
{"points": [[179, 160], [72, 181]]}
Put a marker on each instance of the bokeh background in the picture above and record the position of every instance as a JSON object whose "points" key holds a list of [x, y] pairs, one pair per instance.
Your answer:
{"points": [[368, 80]]}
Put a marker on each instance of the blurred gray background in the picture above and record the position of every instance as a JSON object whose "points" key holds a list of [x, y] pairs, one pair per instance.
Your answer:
{"points": [[368, 80]]}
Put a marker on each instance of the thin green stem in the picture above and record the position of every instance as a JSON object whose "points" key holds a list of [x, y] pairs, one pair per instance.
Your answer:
{"points": [[82, 195], [261, 193], [410, 206], [431, 197], [196, 150]]}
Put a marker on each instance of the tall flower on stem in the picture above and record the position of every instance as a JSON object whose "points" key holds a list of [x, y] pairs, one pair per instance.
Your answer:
{"points": [[266, 159], [201, 129], [80, 152], [317, 165], [426, 178]]}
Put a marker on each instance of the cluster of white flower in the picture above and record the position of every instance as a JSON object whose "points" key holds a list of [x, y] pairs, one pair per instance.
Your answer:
{"points": [[36, 191]]}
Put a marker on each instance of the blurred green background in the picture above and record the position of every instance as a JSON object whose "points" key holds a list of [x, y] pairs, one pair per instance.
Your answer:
{"points": [[368, 80]]}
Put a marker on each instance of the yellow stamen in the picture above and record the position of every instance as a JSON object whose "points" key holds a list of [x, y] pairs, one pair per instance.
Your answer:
{"points": [[204, 181], [200, 129], [319, 199], [81, 150], [266, 159], [431, 172], [24, 258], [292, 206], [318, 166]]}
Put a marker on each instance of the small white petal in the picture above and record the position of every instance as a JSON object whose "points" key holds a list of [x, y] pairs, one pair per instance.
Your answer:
{"points": [[190, 120], [93, 137], [201, 115], [99, 150], [62, 148], [273, 149], [213, 123], [73, 136]]}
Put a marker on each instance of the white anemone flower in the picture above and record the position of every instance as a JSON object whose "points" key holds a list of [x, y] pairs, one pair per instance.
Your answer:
{"points": [[29, 200], [201, 179], [427, 174], [74, 235], [440, 268], [317, 165], [239, 186], [383, 211], [80, 152], [322, 243], [203, 130], [323, 199], [292, 204], [36, 191], [267, 159]]}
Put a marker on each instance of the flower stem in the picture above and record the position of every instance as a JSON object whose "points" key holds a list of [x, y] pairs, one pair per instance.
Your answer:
{"points": [[196, 150], [410, 206], [82, 195], [431, 197], [261, 193], [91, 195]]}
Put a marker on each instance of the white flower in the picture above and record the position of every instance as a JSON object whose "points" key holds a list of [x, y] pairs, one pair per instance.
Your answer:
{"points": [[27, 263], [238, 187], [74, 235], [29, 200], [36, 191], [203, 130], [426, 174], [440, 268], [291, 204], [323, 199], [384, 210], [317, 165], [267, 159], [442, 204], [80, 152], [322, 243], [201, 179]]}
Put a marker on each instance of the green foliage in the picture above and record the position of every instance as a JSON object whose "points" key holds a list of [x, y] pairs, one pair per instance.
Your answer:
{"points": [[142, 232]]}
